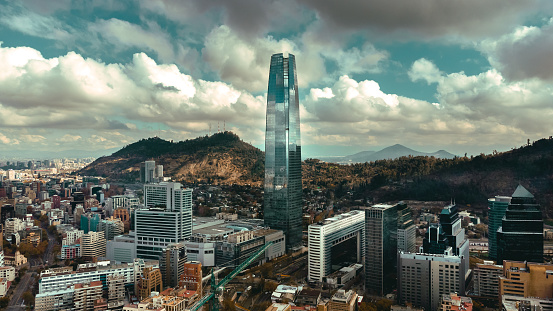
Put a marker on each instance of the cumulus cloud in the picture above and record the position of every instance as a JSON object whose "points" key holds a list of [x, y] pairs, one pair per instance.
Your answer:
{"points": [[73, 92], [523, 54], [477, 110], [245, 63], [423, 69], [426, 18]]}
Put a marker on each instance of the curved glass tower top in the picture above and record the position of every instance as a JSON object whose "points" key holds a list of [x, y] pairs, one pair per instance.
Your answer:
{"points": [[283, 188]]}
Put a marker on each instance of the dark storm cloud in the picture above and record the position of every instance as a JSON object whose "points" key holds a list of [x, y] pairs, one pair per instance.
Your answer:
{"points": [[429, 18]]}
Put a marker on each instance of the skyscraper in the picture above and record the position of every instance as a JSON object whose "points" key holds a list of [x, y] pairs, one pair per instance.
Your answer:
{"points": [[496, 207], [166, 218], [283, 189], [520, 236]]}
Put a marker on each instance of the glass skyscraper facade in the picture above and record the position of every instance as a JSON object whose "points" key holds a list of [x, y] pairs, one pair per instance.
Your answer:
{"points": [[520, 237], [496, 210], [283, 188]]}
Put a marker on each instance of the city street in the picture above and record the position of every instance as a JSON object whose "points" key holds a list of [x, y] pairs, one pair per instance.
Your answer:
{"points": [[23, 286]]}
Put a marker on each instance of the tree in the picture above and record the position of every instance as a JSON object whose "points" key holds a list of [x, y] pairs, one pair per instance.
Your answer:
{"points": [[4, 301], [28, 298]]}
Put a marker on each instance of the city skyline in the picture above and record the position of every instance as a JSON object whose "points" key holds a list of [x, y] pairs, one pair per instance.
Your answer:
{"points": [[467, 77]]}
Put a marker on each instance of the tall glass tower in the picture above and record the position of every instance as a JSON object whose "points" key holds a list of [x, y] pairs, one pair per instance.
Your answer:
{"points": [[283, 188]]}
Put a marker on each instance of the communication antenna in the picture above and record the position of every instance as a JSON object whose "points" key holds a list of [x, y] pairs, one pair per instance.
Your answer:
{"points": [[209, 129], [224, 125], [218, 127]]}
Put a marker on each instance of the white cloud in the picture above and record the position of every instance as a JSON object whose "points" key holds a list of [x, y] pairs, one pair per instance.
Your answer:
{"points": [[245, 63], [124, 34], [423, 69]]}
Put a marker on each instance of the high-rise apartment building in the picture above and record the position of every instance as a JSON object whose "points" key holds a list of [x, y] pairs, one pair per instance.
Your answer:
{"points": [[171, 263], [496, 210], [93, 244], [166, 218], [486, 279], [111, 227], [520, 236], [283, 188]]}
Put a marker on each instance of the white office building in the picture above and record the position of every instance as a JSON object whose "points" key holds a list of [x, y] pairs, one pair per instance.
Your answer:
{"points": [[165, 219], [52, 281], [330, 232], [121, 248]]}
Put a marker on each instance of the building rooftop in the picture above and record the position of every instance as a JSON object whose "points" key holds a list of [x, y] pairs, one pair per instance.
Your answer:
{"points": [[521, 192]]}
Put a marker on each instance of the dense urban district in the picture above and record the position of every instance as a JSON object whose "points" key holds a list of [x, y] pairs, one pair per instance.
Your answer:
{"points": [[75, 242], [214, 223]]}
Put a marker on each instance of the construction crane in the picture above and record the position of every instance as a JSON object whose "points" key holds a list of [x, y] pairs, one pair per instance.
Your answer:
{"points": [[211, 297]]}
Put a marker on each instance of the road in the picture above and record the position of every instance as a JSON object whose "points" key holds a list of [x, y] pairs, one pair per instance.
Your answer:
{"points": [[17, 299], [49, 253]]}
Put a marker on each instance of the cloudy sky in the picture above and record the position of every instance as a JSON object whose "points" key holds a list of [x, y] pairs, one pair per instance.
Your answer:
{"points": [[466, 76]]}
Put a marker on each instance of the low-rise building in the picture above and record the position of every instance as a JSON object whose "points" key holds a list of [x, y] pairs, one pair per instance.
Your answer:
{"points": [[454, 302], [7, 273], [56, 300], [526, 279], [308, 296], [516, 303], [4, 286], [343, 301]]}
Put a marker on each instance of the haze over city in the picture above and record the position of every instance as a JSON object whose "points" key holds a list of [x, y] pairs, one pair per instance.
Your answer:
{"points": [[464, 76]]}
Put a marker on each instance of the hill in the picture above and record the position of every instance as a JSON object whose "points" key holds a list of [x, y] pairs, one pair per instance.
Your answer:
{"points": [[392, 152], [467, 180], [219, 158]]}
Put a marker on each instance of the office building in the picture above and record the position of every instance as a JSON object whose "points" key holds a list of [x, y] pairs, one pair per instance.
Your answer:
{"points": [[89, 222], [486, 279], [93, 244], [454, 302], [526, 279], [166, 218], [239, 246], [121, 248], [406, 230], [343, 301], [283, 188], [384, 224], [448, 233], [337, 240], [424, 278], [147, 171], [520, 236], [496, 210], [171, 263]]}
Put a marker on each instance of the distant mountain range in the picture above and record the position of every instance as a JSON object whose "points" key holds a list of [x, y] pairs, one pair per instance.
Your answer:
{"points": [[392, 152]]}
